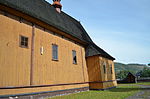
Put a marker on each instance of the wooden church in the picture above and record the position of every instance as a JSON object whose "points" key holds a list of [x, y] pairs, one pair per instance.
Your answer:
{"points": [[43, 50]]}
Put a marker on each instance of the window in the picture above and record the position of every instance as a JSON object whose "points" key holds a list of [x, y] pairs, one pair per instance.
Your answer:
{"points": [[54, 52], [23, 41], [111, 70], [74, 56], [104, 67]]}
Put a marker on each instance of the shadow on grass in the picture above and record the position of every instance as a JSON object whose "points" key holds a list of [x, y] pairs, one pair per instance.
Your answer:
{"points": [[127, 89]]}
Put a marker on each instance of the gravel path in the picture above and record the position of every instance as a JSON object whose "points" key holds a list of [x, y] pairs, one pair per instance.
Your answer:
{"points": [[143, 94]]}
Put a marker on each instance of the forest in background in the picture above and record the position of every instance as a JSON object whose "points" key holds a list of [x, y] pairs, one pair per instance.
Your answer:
{"points": [[122, 70]]}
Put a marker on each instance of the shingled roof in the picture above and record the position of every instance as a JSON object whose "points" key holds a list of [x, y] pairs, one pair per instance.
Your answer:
{"points": [[42, 10]]}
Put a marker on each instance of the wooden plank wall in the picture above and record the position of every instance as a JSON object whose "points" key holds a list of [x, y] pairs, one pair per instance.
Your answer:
{"points": [[15, 62], [47, 71], [96, 72], [108, 76]]}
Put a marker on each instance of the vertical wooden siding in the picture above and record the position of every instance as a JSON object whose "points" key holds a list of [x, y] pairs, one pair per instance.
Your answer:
{"points": [[108, 75], [94, 70], [47, 71], [15, 62], [96, 73]]}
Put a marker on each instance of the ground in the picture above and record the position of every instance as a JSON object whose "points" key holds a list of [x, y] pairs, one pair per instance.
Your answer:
{"points": [[123, 91], [143, 94]]}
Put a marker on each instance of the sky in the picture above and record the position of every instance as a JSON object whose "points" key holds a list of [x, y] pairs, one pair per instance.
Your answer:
{"points": [[120, 27]]}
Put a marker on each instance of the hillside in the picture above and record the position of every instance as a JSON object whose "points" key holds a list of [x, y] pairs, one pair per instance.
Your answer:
{"points": [[129, 67]]}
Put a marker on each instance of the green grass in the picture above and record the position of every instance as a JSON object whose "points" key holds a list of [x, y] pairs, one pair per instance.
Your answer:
{"points": [[121, 92], [144, 83]]}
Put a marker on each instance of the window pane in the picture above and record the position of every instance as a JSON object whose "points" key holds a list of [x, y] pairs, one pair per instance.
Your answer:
{"points": [[23, 41], [104, 67], [55, 52], [74, 57], [111, 69], [22, 38], [26, 43], [26, 39]]}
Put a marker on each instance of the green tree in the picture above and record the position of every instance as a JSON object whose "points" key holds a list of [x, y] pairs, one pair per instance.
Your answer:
{"points": [[122, 74], [146, 72], [149, 64]]}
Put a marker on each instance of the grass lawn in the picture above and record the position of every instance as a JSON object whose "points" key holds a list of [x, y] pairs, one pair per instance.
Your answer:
{"points": [[121, 92], [144, 83]]}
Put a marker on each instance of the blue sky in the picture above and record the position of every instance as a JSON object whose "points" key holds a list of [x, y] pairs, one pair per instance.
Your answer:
{"points": [[120, 27]]}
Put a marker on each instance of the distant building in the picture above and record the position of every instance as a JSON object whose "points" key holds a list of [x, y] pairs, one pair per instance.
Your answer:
{"points": [[130, 78], [138, 74], [44, 50]]}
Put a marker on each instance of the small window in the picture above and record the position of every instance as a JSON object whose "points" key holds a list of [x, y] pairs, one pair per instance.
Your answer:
{"points": [[104, 67], [23, 41], [54, 52], [74, 56], [111, 70]]}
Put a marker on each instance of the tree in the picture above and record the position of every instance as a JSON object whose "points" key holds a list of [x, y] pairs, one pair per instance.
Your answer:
{"points": [[122, 74], [145, 72], [149, 64]]}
